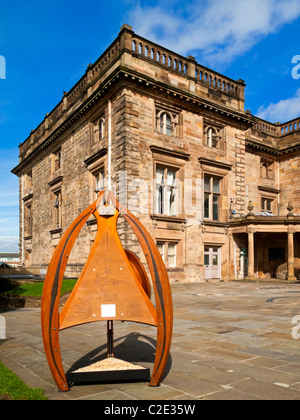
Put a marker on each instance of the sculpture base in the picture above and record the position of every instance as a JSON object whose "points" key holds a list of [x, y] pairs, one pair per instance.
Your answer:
{"points": [[109, 370]]}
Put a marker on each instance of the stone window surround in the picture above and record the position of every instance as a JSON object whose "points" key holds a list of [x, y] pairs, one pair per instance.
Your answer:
{"points": [[269, 194], [219, 134], [266, 168], [174, 114]]}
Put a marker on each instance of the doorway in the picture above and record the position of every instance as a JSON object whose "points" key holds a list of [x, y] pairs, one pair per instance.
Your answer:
{"points": [[212, 262]]}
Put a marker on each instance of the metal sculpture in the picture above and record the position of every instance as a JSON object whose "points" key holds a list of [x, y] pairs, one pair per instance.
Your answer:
{"points": [[112, 286]]}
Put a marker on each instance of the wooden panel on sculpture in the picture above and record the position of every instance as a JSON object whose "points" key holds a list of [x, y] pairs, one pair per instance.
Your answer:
{"points": [[109, 287]]}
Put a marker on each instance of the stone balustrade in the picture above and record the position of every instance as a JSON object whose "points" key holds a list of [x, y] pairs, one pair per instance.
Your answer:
{"points": [[186, 67], [265, 127], [220, 82], [127, 41], [290, 126], [277, 129], [156, 54]]}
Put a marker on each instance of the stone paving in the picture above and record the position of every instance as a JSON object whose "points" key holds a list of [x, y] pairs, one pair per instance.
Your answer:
{"points": [[231, 341]]}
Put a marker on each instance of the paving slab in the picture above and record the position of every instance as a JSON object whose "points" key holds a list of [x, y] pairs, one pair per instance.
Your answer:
{"points": [[232, 341]]}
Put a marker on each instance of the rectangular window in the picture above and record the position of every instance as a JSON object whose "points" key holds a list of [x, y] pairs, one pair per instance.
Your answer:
{"points": [[28, 220], [28, 182], [166, 191], [266, 204], [161, 248], [206, 259], [160, 190], [172, 254], [99, 182], [212, 193], [57, 212], [168, 252], [56, 161]]}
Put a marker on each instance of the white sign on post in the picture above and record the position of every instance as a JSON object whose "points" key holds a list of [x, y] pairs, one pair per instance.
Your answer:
{"points": [[108, 311], [2, 328]]}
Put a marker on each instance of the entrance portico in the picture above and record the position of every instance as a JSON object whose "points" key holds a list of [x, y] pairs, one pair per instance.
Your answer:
{"points": [[272, 244]]}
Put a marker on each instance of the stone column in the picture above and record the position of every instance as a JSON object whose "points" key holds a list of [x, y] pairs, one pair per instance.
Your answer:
{"points": [[230, 274], [250, 254], [291, 267]]}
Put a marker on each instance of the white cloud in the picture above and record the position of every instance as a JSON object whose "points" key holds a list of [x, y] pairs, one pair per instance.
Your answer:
{"points": [[218, 29], [9, 225], [282, 111], [9, 244]]}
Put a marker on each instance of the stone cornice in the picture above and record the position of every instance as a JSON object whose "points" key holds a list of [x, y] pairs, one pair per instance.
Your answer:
{"points": [[95, 157], [268, 189], [121, 74], [215, 163], [174, 153], [272, 150], [264, 220]]}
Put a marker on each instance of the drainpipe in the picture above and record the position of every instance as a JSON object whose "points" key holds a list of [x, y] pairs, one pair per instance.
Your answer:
{"points": [[22, 240], [278, 184], [109, 148]]}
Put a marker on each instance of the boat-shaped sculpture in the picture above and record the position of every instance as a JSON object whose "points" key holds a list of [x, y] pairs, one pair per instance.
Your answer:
{"points": [[113, 286]]}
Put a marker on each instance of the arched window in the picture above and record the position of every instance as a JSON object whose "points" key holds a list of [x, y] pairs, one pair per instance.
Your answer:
{"points": [[264, 170], [164, 123], [212, 137], [101, 128]]}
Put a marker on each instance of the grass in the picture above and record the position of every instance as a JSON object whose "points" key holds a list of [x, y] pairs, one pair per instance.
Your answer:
{"points": [[13, 388], [9, 287]]}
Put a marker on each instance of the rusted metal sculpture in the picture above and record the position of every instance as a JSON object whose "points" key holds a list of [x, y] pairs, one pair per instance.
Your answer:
{"points": [[112, 286]]}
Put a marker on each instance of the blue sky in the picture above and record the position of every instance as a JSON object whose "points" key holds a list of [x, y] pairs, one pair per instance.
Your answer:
{"points": [[47, 47]]}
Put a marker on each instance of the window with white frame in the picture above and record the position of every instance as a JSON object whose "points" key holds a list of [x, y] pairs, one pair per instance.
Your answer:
{"points": [[168, 251], [166, 191]]}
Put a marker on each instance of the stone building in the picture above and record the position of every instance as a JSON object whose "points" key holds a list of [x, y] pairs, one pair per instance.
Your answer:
{"points": [[217, 187]]}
